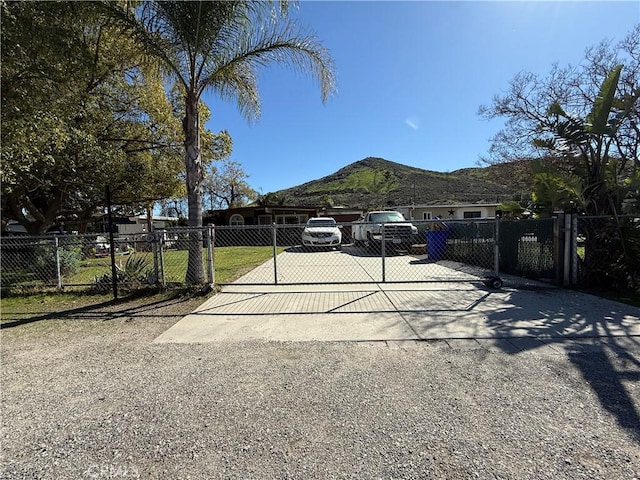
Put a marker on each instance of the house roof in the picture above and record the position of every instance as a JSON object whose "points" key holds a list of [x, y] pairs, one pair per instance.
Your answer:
{"points": [[449, 205], [264, 208]]}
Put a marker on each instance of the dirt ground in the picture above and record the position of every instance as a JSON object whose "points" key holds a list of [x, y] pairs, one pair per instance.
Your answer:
{"points": [[87, 394]]}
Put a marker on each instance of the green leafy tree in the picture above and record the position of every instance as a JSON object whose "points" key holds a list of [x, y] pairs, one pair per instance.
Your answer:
{"points": [[226, 185], [612, 252], [591, 143], [579, 122], [582, 123], [511, 210], [80, 110], [219, 46]]}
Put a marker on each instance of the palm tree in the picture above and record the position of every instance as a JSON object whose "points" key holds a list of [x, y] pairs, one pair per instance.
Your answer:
{"points": [[218, 46]]}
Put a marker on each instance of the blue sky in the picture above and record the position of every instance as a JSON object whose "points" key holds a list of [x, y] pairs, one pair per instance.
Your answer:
{"points": [[410, 78]]}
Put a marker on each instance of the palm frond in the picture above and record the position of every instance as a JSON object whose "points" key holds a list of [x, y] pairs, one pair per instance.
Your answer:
{"points": [[220, 45], [238, 83], [140, 21], [282, 45]]}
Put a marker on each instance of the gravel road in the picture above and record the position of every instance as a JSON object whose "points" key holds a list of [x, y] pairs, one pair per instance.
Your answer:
{"points": [[90, 396]]}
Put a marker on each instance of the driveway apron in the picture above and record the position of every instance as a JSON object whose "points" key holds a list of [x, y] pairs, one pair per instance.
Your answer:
{"points": [[450, 305]]}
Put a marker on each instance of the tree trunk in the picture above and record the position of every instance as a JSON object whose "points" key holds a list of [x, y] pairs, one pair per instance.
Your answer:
{"points": [[42, 218], [193, 164]]}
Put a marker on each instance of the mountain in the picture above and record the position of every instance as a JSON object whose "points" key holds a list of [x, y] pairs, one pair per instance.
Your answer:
{"points": [[377, 183]]}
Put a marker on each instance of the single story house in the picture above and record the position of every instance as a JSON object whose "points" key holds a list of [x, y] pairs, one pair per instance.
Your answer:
{"points": [[260, 215], [448, 211], [267, 215]]}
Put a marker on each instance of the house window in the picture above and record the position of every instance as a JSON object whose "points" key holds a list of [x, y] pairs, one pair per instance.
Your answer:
{"points": [[472, 214], [264, 219], [236, 220], [426, 215], [291, 219]]}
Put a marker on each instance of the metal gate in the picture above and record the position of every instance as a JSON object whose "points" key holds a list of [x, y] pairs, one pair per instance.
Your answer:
{"points": [[461, 250], [439, 251]]}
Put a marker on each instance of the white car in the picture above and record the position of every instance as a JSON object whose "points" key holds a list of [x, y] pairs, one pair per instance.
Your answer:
{"points": [[322, 232]]}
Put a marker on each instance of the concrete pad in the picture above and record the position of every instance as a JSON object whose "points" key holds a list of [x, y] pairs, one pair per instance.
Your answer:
{"points": [[457, 306], [204, 328], [448, 325], [625, 343], [434, 301], [285, 302]]}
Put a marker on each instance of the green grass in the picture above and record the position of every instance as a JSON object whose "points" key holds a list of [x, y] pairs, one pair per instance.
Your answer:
{"points": [[230, 264], [89, 269], [51, 300], [21, 307], [233, 262]]}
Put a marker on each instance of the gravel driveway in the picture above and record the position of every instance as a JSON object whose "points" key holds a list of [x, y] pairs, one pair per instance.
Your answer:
{"points": [[90, 396]]}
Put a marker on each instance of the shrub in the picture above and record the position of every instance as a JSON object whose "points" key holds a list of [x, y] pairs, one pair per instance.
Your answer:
{"points": [[43, 263], [134, 273]]}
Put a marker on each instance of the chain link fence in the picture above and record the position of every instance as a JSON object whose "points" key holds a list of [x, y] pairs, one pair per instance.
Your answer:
{"points": [[53, 261], [84, 262], [432, 251], [460, 250], [527, 248]]}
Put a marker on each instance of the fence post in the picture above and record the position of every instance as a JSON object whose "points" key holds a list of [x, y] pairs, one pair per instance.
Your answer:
{"points": [[156, 247], [558, 242], [496, 247], [210, 264], [56, 253], [382, 254], [574, 249], [566, 263], [112, 248], [160, 272], [275, 254]]}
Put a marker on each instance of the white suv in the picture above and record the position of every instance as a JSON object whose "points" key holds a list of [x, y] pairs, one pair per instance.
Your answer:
{"points": [[322, 232]]}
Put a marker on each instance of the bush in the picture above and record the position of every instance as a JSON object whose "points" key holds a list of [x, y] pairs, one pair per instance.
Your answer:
{"points": [[611, 253], [134, 273], [43, 263]]}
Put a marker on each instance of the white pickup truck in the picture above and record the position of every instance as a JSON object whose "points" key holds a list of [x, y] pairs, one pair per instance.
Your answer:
{"points": [[398, 234]]}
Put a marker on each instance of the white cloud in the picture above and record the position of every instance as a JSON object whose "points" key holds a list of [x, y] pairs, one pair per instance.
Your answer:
{"points": [[413, 122]]}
